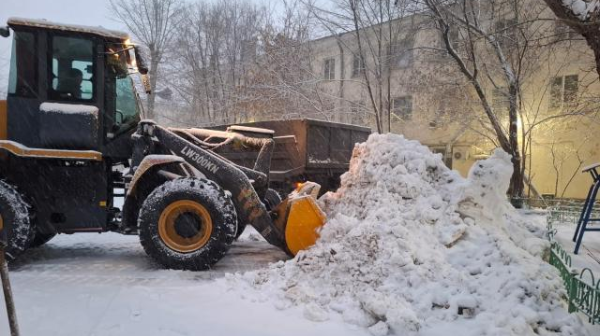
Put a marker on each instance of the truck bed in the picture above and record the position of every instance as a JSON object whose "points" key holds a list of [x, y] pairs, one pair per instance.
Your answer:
{"points": [[305, 149]]}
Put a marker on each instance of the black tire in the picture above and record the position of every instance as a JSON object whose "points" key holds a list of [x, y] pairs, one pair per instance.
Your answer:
{"points": [[272, 199], [17, 230], [166, 227], [40, 239]]}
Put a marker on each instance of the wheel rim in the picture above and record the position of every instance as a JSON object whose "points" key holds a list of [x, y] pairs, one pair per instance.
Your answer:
{"points": [[185, 226]]}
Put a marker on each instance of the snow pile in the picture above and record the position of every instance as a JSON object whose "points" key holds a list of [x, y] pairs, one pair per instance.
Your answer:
{"points": [[412, 248], [582, 9]]}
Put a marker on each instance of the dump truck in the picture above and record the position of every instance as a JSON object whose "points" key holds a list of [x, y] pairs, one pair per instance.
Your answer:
{"points": [[71, 137], [305, 150]]}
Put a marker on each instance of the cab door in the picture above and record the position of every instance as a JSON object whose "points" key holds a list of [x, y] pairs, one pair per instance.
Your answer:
{"points": [[24, 88]]}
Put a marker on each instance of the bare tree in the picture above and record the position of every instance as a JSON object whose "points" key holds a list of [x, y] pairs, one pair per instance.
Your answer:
{"points": [[283, 80], [217, 44], [153, 23], [490, 52], [236, 62], [500, 47], [377, 43]]}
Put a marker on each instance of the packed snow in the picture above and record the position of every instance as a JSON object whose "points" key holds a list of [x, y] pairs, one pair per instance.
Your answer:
{"points": [[98, 30], [582, 9], [69, 109], [412, 248], [105, 285]]}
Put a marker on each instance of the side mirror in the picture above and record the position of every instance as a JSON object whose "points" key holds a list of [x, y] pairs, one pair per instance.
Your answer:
{"points": [[4, 31], [140, 60]]}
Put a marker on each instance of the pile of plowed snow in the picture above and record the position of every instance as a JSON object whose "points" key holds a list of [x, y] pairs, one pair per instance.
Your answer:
{"points": [[412, 248]]}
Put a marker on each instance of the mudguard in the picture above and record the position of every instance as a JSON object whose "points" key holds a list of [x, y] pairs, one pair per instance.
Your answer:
{"points": [[132, 198], [148, 163]]}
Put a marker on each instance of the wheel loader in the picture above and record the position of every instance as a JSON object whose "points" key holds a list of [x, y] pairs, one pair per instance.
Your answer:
{"points": [[71, 137]]}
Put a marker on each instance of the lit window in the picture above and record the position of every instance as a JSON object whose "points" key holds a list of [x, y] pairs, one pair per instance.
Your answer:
{"points": [[563, 90]]}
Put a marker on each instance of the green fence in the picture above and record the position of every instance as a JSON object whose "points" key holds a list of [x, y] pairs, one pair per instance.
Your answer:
{"points": [[582, 289]]}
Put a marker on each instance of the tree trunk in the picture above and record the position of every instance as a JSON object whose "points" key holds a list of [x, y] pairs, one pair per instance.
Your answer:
{"points": [[594, 43], [154, 60], [516, 187]]}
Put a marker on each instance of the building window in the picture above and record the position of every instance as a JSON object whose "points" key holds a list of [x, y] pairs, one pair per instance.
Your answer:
{"points": [[401, 54], [329, 69], [563, 90], [402, 107], [500, 100], [358, 66], [563, 32], [454, 38], [506, 32]]}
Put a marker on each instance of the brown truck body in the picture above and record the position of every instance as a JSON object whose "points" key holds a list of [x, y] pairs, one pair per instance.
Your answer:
{"points": [[305, 149]]}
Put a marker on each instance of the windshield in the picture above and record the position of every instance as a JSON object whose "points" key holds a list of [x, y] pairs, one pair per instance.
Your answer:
{"points": [[124, 100]]}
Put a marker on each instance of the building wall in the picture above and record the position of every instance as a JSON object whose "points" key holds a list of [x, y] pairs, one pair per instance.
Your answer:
{"points": [[444, 113]]}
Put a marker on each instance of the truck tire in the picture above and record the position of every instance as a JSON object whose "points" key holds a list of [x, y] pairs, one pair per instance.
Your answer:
{"points": [[187, 223], [272, 199], [40, 239], [16, 231]]}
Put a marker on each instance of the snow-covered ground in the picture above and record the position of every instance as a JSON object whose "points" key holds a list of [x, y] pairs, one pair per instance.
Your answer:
{"points": [[91, 284], [589, 252]]}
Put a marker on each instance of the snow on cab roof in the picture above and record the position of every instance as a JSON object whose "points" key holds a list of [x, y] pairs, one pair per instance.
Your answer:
{"points": [[41, 23]]}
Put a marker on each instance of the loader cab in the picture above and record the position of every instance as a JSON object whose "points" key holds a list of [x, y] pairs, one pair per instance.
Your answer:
{"points": [[70, 88]]}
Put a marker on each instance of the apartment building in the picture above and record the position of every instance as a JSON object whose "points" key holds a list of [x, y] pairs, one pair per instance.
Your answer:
{"points": [[429, 99]]}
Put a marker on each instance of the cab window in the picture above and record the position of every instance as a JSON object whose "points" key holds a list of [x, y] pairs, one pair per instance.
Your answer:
{"points": [[23, 66], [72, 70], [127, 105], [121, 96]]}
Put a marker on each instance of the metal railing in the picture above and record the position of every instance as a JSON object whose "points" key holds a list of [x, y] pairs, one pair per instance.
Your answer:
{"points": [[582, 289], [562, 210]]}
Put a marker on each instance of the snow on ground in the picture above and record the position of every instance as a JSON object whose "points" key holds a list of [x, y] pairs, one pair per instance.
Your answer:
{"points": [[589, 252], [91, 284], [412, 248]]}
